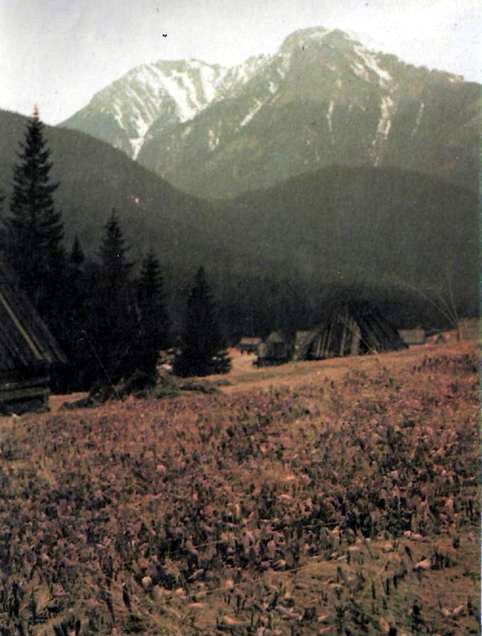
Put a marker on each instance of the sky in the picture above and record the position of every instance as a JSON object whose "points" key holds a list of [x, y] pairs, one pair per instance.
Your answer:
{"points": [[59, 53]]}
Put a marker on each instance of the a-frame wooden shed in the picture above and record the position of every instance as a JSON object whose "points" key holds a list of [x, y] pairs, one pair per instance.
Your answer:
{"points": [[27, 350], [349, 329]]}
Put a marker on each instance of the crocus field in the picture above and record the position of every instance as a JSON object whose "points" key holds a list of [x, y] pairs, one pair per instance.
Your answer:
{"points": [[333, 507]]}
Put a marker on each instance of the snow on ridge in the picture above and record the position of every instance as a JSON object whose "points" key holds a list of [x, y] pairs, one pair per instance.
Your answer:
{"points": [[186, 130], [240, 74], [360, 71], [190, 86], [385, 122], [173, 85], [383, 128], [208, 82], [117, 114], [329, 114], [213, 139], [142, 126], [418, 119], [319, 34], [166, 78], [146, 74], [370, 61], [258, 104], [136, 145]]}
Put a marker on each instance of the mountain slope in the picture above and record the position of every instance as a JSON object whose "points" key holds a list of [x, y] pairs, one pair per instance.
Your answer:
{"points": [[322, 99], [165, 94], [271, 253], [94, 178]]}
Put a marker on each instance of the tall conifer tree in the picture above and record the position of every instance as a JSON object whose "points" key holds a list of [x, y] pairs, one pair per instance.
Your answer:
{"points": [[34, 228], [115, 330], [77, 256], [153, 317], [203, 350]]}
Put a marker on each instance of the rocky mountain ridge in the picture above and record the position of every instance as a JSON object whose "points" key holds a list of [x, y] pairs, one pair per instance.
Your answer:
{"points": [[322, 99]]}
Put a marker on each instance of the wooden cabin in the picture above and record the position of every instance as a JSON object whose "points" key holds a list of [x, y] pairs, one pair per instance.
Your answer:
{"points": [[249, 345], [27, 351], [350, 329], [413, 336], [469, 329], [275, 349]]}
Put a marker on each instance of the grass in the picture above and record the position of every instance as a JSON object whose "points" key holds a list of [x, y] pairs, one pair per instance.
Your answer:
{"points": [[337, 507]]}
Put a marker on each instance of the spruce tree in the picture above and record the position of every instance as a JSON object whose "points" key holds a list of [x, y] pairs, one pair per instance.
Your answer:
{"points": [[203, 349], [153, 317], [77, 256], [3, 233], [115, 326], [115, 266], [76, 313], [34, 228]]}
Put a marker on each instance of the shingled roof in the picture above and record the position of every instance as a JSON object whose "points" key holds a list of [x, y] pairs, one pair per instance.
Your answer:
{"points": [[25, 341], [349, 329]]}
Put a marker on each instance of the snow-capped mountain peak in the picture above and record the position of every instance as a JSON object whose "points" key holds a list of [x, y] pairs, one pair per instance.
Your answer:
{"points": [[162, 93], [325, 87]]}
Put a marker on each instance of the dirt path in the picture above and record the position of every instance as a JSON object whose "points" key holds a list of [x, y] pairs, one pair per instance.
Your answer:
{"points": [[244, 376]]}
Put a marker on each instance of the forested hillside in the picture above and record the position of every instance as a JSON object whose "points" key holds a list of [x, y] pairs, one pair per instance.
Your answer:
{"points": [[274, 254]]}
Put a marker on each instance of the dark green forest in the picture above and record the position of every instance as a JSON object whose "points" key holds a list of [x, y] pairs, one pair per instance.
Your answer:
{"points": [[274, 258]]}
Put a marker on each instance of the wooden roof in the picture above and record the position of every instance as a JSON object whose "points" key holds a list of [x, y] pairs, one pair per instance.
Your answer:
{"points": [[276, 337], [350, 329], [25, 341], [413, 336], [303, 340], [250, 341]]}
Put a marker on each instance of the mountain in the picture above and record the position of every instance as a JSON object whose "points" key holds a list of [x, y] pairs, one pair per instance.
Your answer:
{"points": [[322, 99], [272, 254], [154, 97], [94, 178]]}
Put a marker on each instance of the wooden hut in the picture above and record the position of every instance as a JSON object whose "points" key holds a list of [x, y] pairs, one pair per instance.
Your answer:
{"points": [[350, 329], [469, 329], [275, 349], [303, 341], [27, 350], [413, 336], [249, 345]]}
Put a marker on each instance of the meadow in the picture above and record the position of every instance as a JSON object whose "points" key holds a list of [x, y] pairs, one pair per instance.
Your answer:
{"points": [[344, 504]]}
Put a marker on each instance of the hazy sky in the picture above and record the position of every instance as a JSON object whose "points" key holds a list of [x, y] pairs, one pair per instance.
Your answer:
{"points": [[58, 53]]}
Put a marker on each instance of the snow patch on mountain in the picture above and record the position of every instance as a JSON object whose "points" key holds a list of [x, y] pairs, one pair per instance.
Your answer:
{"points": [[385, 122], [329, 114], [136, 143], [180, 89], [419, 119], [209, 81], [370, 61], [387, 108], [360, 71], [213, 139], [236, 77], [252, 112], [318, 35], [117, 114], [158, 100]]}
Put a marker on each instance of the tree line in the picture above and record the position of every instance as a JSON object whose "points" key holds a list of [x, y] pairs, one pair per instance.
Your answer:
{"points": [[109, 321]]}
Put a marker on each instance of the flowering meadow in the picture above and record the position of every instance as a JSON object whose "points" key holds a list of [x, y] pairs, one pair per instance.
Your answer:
{"points": [[337, 507]]}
